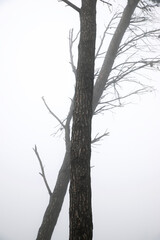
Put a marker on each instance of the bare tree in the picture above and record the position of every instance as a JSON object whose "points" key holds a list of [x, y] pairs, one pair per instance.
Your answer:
{"points": [[114, 71]]}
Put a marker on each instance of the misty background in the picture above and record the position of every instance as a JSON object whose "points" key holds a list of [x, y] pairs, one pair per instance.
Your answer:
{"points": [[34, 62]]}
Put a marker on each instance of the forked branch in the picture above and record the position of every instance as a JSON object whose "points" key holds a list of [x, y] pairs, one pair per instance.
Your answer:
{"points": [[98, 137], [42, 173]]}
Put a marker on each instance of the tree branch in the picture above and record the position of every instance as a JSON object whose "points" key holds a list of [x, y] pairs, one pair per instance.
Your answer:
{"points": [[71, 42], [55, 116], [42, 169], [111, 104], [110, 25], [71, 5], [109, 4], [98, 137]]}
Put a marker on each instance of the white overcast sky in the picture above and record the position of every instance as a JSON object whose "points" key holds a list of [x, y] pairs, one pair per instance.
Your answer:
{"points": [[34, 62]]}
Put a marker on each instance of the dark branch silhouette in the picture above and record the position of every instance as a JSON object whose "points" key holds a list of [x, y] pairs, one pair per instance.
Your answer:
{"points": [[71, 5]]}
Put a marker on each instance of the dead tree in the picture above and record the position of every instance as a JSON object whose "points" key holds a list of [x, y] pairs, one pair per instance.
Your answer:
{"points": [[106, 79]]}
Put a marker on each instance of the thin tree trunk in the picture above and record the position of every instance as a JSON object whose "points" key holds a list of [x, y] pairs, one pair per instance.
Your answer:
{"points": [[80, 182], [54, 207]]}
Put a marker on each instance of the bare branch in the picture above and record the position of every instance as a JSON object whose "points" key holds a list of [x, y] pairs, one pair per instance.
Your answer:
{"points": [[57, 118], [121, 74], [71, 5], [109, 4], [71, 42], [132, 41], [130, 67], [115, 16], [116, 102], [42, 169], [98, 137]]}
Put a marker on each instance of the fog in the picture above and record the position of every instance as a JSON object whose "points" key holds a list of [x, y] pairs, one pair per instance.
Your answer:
{"points": [[34, 60]]}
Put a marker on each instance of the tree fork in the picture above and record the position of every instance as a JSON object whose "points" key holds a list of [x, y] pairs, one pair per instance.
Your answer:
{"points": [[81, 226]]}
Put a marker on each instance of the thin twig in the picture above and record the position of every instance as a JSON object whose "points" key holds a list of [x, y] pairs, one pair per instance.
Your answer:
{"points": [[55, 116], [106, 2], [115, 16], [98, 137], [42, 169], [71, 42]]}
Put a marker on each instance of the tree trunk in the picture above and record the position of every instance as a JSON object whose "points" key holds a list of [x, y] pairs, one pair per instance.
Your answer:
{"points": [[80, 182]]}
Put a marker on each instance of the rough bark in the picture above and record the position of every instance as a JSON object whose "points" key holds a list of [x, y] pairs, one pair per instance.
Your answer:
{"points": [[53, 209], [80, 181]]}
